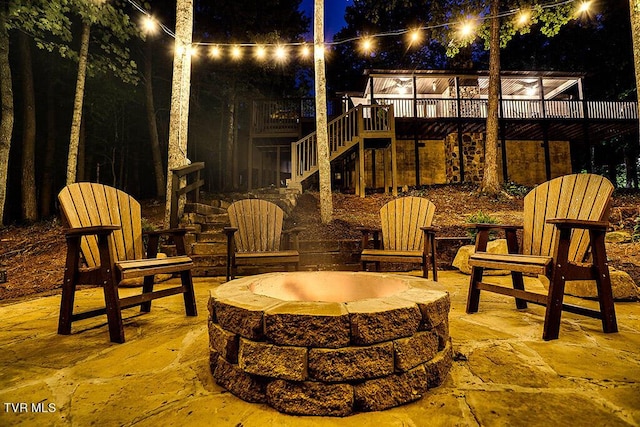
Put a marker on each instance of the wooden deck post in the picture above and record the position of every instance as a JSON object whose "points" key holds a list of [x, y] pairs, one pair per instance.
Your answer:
{"points": [[394, 163], [361, 170]]}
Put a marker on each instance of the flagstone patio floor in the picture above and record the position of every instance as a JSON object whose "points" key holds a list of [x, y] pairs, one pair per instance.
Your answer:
{"points": [[503, 372]]}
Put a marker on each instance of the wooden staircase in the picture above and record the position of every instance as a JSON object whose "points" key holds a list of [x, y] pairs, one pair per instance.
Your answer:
{"points": [[355, 128]]}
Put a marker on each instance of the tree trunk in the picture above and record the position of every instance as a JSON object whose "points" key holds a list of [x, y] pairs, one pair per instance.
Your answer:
{"points": [[151, 121], [81, 162], [6, 119], [630, 160], [180, 89], [229, 145], [28, 180], [634, 8], [46, 186], [324, 163], [72, 160], [491, 179]]}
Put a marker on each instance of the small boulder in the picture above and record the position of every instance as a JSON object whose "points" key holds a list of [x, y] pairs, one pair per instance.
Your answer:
{"points": [[461, 261], [623, 286]]}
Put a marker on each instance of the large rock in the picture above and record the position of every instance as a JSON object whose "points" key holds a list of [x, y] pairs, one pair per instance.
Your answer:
{"points": [[461, 261], [623, 286]]}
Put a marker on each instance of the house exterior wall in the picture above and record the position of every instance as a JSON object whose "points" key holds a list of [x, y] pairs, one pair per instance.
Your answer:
{"points": [[440, 161], [525, 160], [432, 164]]}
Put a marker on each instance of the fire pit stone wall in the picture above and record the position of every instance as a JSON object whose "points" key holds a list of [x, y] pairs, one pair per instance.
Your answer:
{"points": [[333, 358]]}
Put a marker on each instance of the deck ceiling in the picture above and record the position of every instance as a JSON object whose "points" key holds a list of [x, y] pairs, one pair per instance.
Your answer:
{"points": [[525, 85]]}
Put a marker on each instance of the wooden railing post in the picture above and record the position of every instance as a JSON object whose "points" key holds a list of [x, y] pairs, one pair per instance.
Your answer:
{"points": [[193, 184]]}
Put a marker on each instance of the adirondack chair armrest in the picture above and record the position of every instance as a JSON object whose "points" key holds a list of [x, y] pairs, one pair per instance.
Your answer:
{"points": [[291, 237], [294, 230], [366, 231], [579, 223], [482, 238], [230, 231], [177, 234], [491, 227], [88, 231], [429, 230]]}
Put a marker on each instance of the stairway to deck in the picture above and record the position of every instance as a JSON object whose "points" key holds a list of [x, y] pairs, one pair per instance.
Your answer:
{"points": [[356, 126]]}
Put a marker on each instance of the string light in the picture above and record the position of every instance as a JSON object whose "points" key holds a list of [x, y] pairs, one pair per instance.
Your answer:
{"points": [[466, 29], [215, 52], [523, 18], [414, 37], [366, 46], [261, 53], [236, 53], [305, 52], [584, 7], [149, 24], [280, 53]]}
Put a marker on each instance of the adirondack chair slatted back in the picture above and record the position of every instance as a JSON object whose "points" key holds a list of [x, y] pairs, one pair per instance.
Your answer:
{"points": [[401, 220], [579, 196], [88, 204], [259, 225]]}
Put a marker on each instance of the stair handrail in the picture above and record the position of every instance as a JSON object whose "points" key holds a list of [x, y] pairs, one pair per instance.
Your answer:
{"points": [[344, 131], [191, 186], [304, 152]]}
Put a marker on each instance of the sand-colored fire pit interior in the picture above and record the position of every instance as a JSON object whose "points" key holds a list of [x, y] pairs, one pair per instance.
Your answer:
{"points": [[329, 343]]}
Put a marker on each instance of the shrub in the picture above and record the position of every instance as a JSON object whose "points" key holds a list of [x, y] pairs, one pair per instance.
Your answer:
{"points": [[636, 230], [514, 189], [480, 218]]}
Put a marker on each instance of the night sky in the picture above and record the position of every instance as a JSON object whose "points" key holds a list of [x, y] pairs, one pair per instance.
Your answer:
{"points": [[333, 15]]}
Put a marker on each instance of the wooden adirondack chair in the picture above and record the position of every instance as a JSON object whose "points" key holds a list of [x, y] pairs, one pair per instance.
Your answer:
{"points": [[255, 235], [105, 228], [565, 221], [407, 235]]}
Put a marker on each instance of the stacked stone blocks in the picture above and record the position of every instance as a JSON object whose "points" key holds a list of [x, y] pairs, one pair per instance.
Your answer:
{"points": [[329, 358]]}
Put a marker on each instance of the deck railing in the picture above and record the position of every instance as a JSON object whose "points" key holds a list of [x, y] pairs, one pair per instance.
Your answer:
{"points": [[344, 132], [276, 116], [511, 108]]}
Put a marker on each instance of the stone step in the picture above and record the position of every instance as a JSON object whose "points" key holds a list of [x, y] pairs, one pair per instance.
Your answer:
{"points": [[213, 227], [209, 248], [219, 203], [218, 219], [200, 208], [212, 237]]}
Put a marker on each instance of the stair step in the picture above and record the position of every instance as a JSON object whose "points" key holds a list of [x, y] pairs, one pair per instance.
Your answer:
{"points": [[220, 218], [212, 237], [209, 248], [213, 227], [200, 208]]}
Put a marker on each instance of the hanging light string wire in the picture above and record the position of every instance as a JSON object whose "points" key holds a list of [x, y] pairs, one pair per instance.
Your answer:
{"points": [[393, 33]]}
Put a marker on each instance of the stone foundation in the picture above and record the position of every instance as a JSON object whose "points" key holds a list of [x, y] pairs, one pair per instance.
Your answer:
{"points": [[359, 342]]}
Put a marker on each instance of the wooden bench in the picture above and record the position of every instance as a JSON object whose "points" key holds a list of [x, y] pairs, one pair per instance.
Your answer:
{"points": [[105, 247], [407, 235], [565, 221], [256, 236]]}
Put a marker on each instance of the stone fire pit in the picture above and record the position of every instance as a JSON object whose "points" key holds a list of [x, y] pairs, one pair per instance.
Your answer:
{"points": [[329, 343]]}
